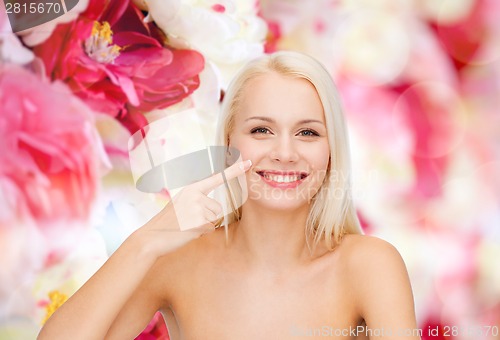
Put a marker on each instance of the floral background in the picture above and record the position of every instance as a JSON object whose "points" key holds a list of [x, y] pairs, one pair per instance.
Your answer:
{"points": [[420, 80]]}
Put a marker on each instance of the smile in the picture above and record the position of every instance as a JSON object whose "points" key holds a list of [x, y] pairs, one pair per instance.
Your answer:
{"points": [[282, 179]]}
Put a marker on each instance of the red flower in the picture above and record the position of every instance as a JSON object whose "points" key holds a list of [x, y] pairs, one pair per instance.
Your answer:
{"points": [[118, 64], [155, 330]]}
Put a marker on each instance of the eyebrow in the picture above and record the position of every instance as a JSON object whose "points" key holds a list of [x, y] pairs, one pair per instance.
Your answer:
{"points": [[270, 120]]}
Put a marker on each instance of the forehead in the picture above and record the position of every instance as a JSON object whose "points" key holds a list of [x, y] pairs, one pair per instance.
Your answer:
{"points": [[280, 97]]}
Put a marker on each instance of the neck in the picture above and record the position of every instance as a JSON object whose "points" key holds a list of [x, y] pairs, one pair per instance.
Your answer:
{"points": [[272, 239]]}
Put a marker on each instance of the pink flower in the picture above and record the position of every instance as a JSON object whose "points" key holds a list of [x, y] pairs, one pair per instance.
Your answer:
{"points": [[155, 330], [468, 36], [118, 64], [273, 36], [49, 151]]}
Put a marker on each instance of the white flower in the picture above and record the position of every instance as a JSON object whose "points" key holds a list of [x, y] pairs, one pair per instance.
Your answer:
{"points": [[228, 32], [35, 262]]}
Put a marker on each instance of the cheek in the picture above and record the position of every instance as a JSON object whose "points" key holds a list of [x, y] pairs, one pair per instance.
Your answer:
{"points": [[319, 157], [319, 161], [247, 149]]}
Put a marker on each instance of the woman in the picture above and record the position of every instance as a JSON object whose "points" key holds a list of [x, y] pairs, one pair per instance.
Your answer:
{"points": [[294, 261]]}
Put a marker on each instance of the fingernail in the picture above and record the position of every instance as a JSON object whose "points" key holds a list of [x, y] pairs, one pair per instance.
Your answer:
{"points": [[245, 165]]}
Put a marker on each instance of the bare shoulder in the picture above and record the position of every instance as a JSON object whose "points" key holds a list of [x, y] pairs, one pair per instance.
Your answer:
{"points": [[368, 253], [365, 242], [380, 282], [369, 259]]}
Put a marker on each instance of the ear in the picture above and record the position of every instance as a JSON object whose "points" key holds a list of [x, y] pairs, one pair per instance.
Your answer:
{"points": [[231, 155], [328, 170], [229, 147]]}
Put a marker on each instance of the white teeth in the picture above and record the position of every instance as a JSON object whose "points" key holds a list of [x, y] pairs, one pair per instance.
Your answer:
{"points": [[282, 179]]}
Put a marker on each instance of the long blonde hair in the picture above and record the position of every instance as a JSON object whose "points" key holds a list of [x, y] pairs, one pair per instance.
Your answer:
{"points": [[332, 213]]}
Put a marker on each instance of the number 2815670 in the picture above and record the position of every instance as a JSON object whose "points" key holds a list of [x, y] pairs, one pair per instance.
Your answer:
{"points": [[33, 8]]}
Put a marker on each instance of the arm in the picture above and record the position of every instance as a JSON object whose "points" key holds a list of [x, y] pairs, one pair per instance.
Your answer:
{"points": [[383, 291], [126, 279], [120, 299]]}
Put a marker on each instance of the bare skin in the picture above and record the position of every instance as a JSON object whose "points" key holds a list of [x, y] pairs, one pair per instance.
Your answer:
{"points": [[219, 294], [263, 284]]}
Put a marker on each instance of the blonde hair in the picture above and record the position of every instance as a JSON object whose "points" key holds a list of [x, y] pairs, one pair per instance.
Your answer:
{"points": [[330, 216]]}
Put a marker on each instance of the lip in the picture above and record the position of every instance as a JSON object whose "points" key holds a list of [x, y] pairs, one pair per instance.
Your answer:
{"points": [[282, 185]]}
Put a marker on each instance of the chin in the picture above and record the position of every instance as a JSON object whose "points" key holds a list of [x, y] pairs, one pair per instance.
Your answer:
{"points": [[284, 207], [284, 200]]}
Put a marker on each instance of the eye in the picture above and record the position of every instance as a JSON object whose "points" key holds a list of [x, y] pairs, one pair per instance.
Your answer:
{"points": [[309, 133], [261, 130]]}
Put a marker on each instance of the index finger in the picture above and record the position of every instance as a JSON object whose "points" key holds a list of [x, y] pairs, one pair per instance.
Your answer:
{"points": [[208, 184]]}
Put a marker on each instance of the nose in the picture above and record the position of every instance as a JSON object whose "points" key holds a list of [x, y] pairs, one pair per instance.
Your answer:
{"points": [[284, 150]]}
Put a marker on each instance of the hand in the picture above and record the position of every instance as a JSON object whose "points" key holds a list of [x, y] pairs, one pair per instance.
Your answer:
{"points": [[190, 214]]}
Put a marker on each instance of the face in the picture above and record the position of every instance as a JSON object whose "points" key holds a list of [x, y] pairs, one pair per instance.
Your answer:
{"points": [[280, 126]]}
